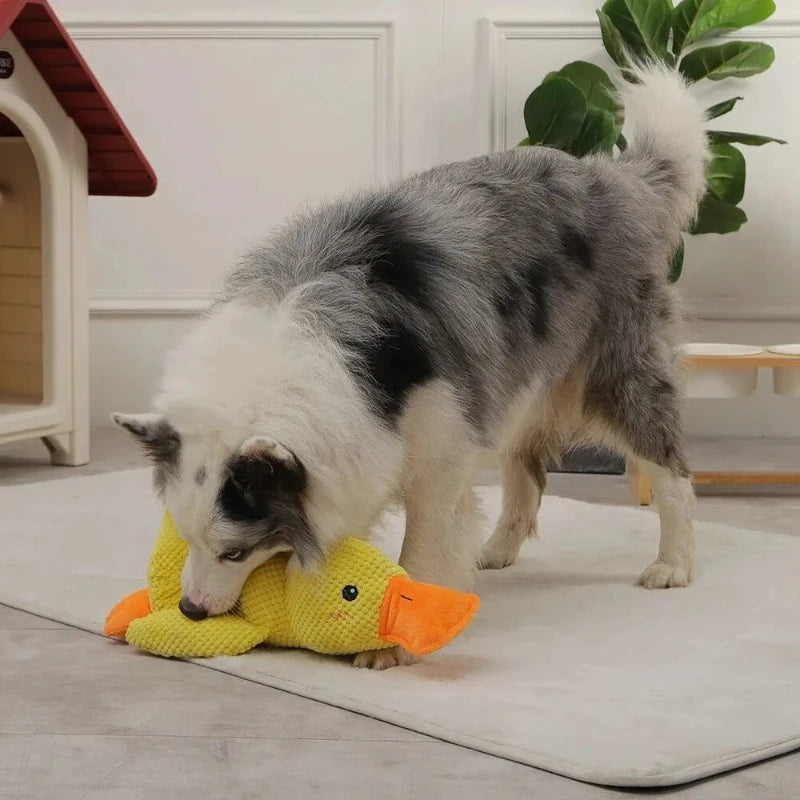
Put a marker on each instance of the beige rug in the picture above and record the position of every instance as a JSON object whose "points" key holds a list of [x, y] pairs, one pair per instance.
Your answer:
{"points": [[567, 666]]}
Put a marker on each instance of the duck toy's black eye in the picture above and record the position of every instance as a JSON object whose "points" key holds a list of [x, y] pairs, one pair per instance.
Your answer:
{"points": [[349, 593]]}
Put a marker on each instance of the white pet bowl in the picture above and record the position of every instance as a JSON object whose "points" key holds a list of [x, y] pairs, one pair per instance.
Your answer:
{"points": [[721, 382], [786, 380]]}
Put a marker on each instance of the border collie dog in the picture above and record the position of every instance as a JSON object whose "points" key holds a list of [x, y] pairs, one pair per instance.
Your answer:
{"points": [[378, 346]]}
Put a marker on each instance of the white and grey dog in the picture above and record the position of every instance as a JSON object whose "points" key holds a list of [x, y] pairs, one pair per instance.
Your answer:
{"points": [[377, 346]]}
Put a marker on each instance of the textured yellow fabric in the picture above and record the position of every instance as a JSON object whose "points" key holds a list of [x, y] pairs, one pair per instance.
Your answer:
{"points": [[349, 606], [319, 616], [166, 565], [302, 610]]}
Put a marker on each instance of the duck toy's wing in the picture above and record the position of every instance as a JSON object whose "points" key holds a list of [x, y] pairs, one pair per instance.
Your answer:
{"points": [[163, 582], [151, 620], [168, 633]]}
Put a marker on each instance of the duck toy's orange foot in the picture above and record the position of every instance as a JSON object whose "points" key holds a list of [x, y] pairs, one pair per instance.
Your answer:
{"points": [[133, 606]]}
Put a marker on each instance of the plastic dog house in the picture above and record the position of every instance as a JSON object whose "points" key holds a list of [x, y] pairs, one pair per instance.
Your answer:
{"points": [[60, 141]]}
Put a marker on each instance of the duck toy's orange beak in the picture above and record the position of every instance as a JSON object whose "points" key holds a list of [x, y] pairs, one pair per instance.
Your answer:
{"points": [[421, 617]]}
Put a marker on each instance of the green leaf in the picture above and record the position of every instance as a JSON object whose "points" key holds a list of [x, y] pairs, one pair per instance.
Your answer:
{"points": [[752, 139], [622, 143], [715, 216], [598, 134], [604, 112], [683, 17], [697, 19], [726, 173], [526, 142], [644, 25], [729, 60], [597, 87], [554, 113], [718, 109], [612, 40], [676, 267]]}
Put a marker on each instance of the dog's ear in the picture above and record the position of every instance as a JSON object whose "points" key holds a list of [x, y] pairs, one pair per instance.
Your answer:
{"points": [[159, 440], [263, 464]]}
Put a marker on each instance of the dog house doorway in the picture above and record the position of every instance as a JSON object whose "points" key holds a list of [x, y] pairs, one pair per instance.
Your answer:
{"points": [[22, 341]]}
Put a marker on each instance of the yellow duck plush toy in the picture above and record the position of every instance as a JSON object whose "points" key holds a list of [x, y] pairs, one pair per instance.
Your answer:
{"points": [[358, 601]]}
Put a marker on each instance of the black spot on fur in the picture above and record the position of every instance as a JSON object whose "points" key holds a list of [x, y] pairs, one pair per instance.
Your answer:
{"points": [[393, 365], [508, 299], [642, 406], [597, 188], [239, 505], [644, 288], [523, 298], [664, 387], [538, 276], [493, 190], [261, 477], [577, 248], [263, 497], [200, 476], [401, 255]]}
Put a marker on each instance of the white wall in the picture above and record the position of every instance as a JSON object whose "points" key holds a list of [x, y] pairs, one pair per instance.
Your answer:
{"points": [[249, 111]]}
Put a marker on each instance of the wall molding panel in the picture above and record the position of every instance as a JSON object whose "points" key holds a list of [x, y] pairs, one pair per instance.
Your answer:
{"points": [[148, 304], [106, 305], [496, 34], [204, 27]]}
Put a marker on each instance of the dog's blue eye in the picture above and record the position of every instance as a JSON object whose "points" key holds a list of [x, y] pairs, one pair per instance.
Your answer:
{"points": [[234, 555], [350, 593]]}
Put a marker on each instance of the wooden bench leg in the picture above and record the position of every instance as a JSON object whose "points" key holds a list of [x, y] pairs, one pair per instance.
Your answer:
{"points": [[640, 485], [68, 449]]}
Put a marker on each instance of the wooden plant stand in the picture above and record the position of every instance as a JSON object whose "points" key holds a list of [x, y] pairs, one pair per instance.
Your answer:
{"points": [[640, 482]]}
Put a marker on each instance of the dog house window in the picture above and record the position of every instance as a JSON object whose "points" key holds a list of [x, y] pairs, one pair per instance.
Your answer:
{"points": [[21, 339]]}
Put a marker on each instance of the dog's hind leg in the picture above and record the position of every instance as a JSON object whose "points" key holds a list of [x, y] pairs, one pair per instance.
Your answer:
{"points": [[640, 409], [674, 496], [523, 473]]}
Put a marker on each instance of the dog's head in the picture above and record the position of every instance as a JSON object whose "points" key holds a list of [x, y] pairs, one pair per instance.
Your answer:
{"points": [[236, 507]]}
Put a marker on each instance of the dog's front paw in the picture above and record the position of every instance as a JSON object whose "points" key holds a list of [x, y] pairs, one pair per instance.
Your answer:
{"points": [[502, 549], [660, 575], [495, 557], [384, 659]]}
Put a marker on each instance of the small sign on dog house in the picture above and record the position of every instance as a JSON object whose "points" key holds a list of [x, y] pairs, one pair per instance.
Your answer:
{"points": [[6, 64]]}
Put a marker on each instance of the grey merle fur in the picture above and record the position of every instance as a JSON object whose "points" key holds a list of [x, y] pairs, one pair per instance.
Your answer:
{"points": [[490, 274]]}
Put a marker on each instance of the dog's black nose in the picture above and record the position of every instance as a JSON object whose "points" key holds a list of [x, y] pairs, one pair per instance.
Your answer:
{"points": [[191, 611]]}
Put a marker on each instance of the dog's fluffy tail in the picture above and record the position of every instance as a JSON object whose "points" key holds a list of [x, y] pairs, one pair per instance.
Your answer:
{"points": [[665, 129]]}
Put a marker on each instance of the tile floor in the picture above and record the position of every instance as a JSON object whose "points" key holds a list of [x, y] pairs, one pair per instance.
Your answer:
{"points": [[78, 722]]}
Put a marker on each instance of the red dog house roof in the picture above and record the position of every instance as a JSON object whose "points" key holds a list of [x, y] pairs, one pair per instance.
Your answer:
{"points": [[116, 164]]}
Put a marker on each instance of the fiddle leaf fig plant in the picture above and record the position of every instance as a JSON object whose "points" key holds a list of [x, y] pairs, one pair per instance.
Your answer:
{"points": [[576, 109]]}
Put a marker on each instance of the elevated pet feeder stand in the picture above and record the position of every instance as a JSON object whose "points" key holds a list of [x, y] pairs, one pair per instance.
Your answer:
{"points": [[721, 371]]}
